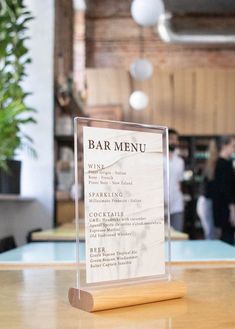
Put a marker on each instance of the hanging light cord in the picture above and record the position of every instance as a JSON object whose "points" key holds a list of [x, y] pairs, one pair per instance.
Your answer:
{"points": [[141, 41]]}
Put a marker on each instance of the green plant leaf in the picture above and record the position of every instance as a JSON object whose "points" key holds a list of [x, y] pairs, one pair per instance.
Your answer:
{"points": [[14, 113]]}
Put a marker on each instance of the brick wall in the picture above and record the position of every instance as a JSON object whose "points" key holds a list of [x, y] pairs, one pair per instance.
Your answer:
{"points": [[113, 40], [63, 53]]}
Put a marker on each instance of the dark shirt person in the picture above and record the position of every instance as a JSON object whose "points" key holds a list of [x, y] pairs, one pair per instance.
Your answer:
{"points": [[223, 190], [176, 173]]}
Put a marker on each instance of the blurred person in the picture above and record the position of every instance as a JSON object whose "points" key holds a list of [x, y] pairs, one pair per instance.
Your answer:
{"points": [[223, 192], [204, 203], [176, 172]]}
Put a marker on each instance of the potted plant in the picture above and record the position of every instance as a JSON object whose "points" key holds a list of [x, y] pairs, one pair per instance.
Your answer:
{"points": [[14, 112]]}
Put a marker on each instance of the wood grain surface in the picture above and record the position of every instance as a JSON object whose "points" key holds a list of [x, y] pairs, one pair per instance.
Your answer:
{"points": [[195, 101], [38, 299], [97, 298]]}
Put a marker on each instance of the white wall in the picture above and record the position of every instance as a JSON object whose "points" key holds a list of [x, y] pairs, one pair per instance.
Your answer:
{"points": [[37, 175]]}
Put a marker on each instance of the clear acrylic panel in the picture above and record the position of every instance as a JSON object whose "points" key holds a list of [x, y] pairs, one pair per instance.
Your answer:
{"points": [[123, 235]]}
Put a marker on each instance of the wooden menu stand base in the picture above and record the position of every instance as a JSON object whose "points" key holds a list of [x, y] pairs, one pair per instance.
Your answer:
{"points": [[103, 298]]}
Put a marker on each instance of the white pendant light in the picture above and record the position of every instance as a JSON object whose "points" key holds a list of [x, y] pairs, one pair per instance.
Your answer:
{"points": [[141, 69], [79, 4], [138, 100], [146, 12]]}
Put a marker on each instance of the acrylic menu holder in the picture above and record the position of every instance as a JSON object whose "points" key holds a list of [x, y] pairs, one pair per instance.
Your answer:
{"points": [[125, 234]]}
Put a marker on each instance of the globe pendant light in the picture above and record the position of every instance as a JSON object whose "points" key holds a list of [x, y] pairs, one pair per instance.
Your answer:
{"points": [[141, 69], [138, 100], [146, 12]]}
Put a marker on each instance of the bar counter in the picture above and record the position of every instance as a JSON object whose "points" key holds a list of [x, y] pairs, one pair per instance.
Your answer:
{"points": [[67, 232]]}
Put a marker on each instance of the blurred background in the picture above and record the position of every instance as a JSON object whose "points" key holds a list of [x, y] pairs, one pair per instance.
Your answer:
{"points": [[118, 60]]}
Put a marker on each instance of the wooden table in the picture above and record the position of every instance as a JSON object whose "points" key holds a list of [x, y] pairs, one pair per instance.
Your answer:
{"points": [[67, 232], [63, 254], [15, 197], [38, 299]]}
